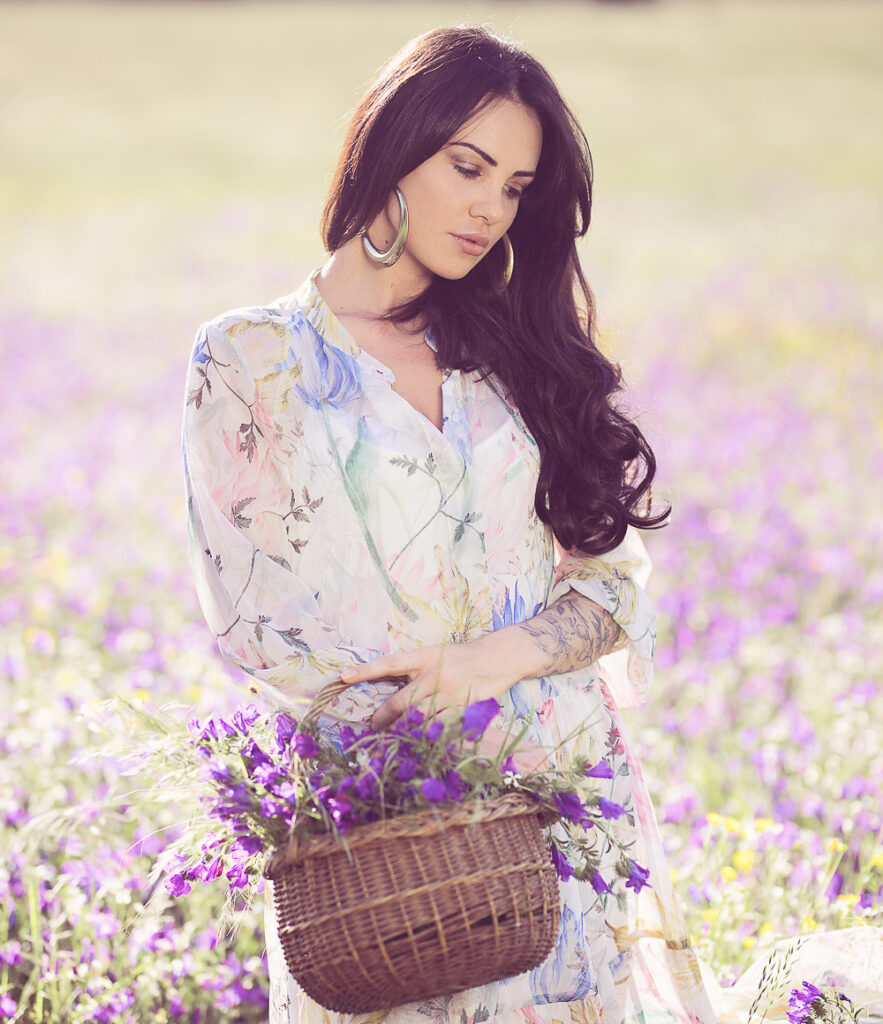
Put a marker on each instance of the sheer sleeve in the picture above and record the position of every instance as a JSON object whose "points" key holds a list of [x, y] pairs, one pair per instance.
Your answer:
{"points": [[240, 493], [616, 582]]}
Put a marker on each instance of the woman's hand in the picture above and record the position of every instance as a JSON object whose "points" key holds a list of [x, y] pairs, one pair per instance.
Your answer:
{"points": [[571, 633], [449, 675], [453, 674]]}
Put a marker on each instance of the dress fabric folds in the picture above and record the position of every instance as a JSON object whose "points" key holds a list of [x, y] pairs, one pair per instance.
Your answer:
{"points": [[330, 523]]}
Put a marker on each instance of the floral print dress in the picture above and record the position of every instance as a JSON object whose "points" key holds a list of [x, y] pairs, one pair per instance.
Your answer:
{"points": [[331, 523]]}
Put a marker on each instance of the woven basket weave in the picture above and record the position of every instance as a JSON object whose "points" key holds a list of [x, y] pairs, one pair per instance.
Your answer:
{"points": [[430, 904]]}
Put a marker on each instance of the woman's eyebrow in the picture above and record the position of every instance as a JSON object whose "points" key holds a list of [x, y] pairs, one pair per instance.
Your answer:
{"points": [[491, 161]]}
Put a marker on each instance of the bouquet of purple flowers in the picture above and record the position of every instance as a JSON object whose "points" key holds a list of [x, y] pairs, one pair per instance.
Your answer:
{"points": [[266, 778]]}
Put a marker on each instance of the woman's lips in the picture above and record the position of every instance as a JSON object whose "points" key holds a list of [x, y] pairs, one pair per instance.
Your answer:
{"points": [[472, 245]]}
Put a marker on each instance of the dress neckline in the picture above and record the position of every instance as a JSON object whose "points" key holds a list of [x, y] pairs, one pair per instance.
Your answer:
{"points": [[325, 322]]}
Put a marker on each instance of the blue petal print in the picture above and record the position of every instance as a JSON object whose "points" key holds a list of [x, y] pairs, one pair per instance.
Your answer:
{"points": [[332, 377], [514, 610], [565, 975], [201, 354]]}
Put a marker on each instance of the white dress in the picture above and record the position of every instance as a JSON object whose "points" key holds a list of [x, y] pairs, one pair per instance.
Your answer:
{"points": [[332, 523]]}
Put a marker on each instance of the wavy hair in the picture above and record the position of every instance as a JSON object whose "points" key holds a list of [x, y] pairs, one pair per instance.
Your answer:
{"points": [[537, 337]]}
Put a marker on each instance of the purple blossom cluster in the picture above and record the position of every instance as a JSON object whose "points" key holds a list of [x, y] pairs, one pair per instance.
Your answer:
{"points": [[810, 1004], [268, 778]]}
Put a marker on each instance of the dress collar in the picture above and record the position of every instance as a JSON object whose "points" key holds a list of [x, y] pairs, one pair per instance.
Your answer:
{"points": [[319, 314]]}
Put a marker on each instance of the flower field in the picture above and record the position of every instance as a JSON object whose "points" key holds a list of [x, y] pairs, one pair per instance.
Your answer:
{"points": [[166, 162]]}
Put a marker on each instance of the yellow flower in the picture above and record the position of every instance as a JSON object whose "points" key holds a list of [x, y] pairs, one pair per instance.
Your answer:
{"points": [[732, 825], [714, 819], [762, 824], [729, 873], [65, 678], [765, 929], [877, 860], [743, 860], [835, 846], [141, 696], [54, 566], [749, 942], [808, 922], [710, 914]]}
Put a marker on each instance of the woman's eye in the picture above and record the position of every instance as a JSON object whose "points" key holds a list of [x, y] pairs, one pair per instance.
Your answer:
{"points": [[514, 193], [467, 172]]}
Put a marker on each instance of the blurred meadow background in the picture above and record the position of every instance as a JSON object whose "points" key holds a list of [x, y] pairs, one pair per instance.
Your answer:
{"points": [[162, 162]]}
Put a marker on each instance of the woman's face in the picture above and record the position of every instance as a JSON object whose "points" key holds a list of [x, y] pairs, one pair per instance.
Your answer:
{"points": [[464, 198]]}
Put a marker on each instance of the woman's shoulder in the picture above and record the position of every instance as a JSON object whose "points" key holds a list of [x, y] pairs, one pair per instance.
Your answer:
{"points": [[261, 337]]}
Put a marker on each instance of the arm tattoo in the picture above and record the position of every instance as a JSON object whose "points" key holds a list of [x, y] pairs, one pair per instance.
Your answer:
{"points": [[573, 632]]}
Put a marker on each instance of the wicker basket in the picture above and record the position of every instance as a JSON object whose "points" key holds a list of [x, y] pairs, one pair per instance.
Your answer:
{"points": [[430, 904]]}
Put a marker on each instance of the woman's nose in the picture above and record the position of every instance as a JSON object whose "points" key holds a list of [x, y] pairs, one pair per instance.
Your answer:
{"points": [[489, 205]]}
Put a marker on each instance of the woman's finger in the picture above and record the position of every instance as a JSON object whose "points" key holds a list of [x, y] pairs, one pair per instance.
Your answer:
{"points": [[392, 708], [405, 665], [386, 667]]}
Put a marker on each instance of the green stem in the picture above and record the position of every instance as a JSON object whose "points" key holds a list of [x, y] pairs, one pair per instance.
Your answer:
{"points": [[36, 945]]}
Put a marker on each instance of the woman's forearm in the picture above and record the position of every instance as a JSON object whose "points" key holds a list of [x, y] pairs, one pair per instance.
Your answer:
{"points": [[570, 634]]}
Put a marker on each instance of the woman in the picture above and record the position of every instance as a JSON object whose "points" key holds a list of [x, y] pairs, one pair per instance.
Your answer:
{"points": [[380, 464]]}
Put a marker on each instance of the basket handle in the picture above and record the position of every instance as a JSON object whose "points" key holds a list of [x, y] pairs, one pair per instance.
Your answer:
{"points": [[324, 697], [333, 689]]}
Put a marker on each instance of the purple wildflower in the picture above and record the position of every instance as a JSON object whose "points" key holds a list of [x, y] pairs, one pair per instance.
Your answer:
{"points": [[610, 809], [572, 808], [340, 810], [562, 865], [601, 770], [414, 716], [219, 772], [599, 885], [305, 745], [178, 885], [244, 717], [348, 736], [455, 787], [254, 757], [800, 1003], [366, 787], [434, 789], [268, 775], [285, 729], [237, 876], [638, 878], [10, 955], [407, 769], [208, 871], [434, 730], [478, 716], [245, 846], [508, 767]]}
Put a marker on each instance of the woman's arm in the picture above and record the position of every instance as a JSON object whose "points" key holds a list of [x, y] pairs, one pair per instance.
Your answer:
{"points": [[571, 633]]}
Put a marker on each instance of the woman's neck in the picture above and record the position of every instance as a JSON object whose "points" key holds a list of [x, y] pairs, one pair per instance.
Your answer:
{"points": [[353, 285]]}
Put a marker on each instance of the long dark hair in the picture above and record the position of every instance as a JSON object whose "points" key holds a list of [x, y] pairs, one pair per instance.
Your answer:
{"points": [[537, 337]]}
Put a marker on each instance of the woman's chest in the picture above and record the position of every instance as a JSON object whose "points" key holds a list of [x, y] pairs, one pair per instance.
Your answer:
{"points": [[391, 481]]}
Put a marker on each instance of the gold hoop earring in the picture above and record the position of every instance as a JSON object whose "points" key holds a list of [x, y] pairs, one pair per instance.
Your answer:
{"points": [[510, 260], [388, 258]]}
